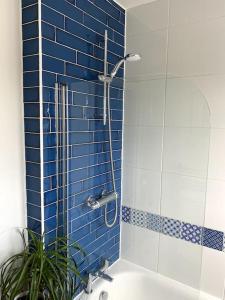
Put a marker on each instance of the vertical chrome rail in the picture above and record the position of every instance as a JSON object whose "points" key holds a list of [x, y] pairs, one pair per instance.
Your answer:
{"points": [[57, 154], [61, 120], [105, 74], [64, 155], [67, 157]]}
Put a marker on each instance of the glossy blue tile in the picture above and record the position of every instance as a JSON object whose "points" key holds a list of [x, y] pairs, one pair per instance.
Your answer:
{"points": [[31, 63], [115, 25], [80, 72], [82, 31], [80, 137], [74, 42], [48, 78], [34, 211], [78, 175], [33, 169], [97, 26], [33, 183], [31, 94], [78, 125], [65, 8], [50, 224], [32, 110], [28, 2], [118, 38], [92, 10], [32, 155], [49, 154], [31, 79], [52, 17], [48, 31], [34, 225], [30, 30], [49, 140], [50, 197], [108, 8], [58, 51], [30, 47], [90, 62], [31, 125], [30, 14], [116, 48], [49, 168], [33, 197], [32, 140]]}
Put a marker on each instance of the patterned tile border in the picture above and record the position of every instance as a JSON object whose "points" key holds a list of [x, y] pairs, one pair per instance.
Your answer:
{"points": [[195, 234]]}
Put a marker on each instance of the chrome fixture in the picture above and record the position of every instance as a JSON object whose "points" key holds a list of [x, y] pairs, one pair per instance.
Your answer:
{"points": [[62, 154], [99, 274], [106, 198], [107, 79], [103, 295]]}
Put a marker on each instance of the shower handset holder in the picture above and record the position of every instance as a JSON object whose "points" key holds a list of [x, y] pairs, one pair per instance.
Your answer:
{"points": [[105, 198]]}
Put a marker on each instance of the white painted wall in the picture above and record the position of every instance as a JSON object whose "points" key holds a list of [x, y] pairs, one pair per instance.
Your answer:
{"points": [[12, 178]]}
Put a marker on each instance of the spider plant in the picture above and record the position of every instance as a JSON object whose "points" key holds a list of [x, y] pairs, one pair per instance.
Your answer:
{"points": [[40, 272]]}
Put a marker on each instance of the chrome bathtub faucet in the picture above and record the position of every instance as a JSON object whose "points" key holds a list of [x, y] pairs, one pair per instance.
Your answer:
{"points": [[99, 274]]}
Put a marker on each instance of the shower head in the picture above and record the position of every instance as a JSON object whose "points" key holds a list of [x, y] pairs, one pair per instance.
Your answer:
{"points": [[132, 57], [129, 57]]}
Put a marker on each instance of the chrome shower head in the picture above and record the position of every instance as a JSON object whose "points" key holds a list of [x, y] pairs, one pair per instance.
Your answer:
{"points": [[132, 57], [129, 57]]}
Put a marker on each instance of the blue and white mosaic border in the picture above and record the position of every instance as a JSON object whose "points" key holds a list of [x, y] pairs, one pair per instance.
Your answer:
{"points": [[175, 228]]}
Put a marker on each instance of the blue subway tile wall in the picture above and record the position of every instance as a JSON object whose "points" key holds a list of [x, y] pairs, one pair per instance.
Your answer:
{"points": [[72, 41], [32, 112], [195, 234], [73, 50], [72, 46]]}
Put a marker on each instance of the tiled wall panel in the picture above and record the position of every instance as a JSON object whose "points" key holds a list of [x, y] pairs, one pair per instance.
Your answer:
{"points": [[72, 39], [32, 112]]}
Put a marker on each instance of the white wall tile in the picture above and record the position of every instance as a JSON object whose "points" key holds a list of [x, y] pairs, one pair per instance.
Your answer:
{"points": [[216, 154], [130, 145], [213, 89], [127, 240], [197, 49], [180, 260], [149, 148], [152, 48], [140, 246], [129, 185], [213, 272], [186, 105], [215, 205], [183, 11], [183, 198], [144, 102], [132, 100], [147, 17], [148, 190], [186, 151]]}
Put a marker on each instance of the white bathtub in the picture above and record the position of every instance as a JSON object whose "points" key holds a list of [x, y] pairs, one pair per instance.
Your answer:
{"points": [[132, 282]]}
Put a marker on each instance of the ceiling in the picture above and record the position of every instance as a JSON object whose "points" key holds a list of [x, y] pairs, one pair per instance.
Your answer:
{"points": [[131, 3]]}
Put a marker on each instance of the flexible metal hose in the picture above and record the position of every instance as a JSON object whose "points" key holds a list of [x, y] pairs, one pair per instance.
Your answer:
{"points": [[111, 162]]}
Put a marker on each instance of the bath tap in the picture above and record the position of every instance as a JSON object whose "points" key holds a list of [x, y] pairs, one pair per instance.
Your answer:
{"points": [[99, 274], [104, 276]]}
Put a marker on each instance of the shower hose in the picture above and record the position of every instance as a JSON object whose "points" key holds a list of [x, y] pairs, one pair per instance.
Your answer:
{"points": [[111, 163]]}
